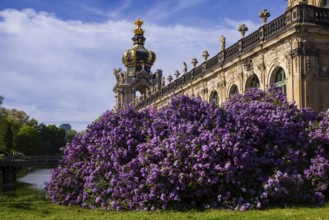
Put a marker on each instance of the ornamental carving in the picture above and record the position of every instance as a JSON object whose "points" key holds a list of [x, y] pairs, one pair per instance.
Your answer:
{"points": [[247, 65], [222, 82], [304, 49], [275, 63], [281, 41], [287, 57]]}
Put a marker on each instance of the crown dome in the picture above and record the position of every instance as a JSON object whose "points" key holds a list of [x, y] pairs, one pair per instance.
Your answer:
{"points": [[138, 57]]}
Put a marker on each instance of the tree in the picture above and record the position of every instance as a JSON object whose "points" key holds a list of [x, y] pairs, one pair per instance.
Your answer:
{"points": [[70, 135], [13, 120], [2, 126], [16, 116], [29, 141], [33, 122], [9, 136], [54, 137]]}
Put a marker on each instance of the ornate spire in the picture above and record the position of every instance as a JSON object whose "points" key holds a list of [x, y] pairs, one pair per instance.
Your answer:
{"points": [[138, 58], [138, 29], [139, 38]]}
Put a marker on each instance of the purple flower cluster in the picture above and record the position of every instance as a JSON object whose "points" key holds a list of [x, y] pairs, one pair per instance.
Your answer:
{"points": [[256, 151]]}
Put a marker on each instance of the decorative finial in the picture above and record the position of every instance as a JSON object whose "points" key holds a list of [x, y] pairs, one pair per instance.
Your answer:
{"points": [[169, 78], [176, 74], [242, 29], [194, 62], [138, 29], [205, 55], [264, 14]]}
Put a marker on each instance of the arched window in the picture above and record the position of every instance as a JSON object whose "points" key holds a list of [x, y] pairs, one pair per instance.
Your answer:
{"points": [[280, 80], [233, 90], [326, 3], [254, 82], [214, 97]]}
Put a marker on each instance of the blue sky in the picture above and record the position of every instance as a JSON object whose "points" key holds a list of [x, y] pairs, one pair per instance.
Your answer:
{"points": [[57, 56]]}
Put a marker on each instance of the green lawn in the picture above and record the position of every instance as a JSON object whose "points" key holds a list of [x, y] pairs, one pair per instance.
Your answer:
{"points": [[30, 204]]}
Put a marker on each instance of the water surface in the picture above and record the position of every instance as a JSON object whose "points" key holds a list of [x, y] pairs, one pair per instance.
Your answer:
{"points": [[36, 178]]}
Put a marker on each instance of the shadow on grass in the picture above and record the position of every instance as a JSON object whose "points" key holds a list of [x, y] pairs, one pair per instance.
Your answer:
{"points": [[22, 206]]}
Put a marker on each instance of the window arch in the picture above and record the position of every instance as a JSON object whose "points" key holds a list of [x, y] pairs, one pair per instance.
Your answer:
{"points": [[233, 90], [280, 80], [214, 97], [326, 3], [253, 82]]}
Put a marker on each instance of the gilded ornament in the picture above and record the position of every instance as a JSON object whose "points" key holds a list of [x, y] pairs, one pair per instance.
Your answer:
{"points": [[138, 29], [149, 57], [133, 55]]}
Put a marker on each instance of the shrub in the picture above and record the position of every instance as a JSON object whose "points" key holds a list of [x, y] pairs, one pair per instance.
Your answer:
{"points": [[256, 151]]}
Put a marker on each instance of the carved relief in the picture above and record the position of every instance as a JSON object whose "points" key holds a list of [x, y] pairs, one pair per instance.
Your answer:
{"points": [[238, 79], [272, 52], [287, 57], [308, 66], [292, 3], [247, 65], [289, 50], [221, 81], [275, 62]]}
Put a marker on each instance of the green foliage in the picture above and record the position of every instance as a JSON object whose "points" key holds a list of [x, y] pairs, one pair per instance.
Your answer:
{"points": [[9, 136], [13, 121], [71, 134], [29, 141], [32, 206], [17, 117], [54, 138], [2, 126], [20, 133], [33, 122]]}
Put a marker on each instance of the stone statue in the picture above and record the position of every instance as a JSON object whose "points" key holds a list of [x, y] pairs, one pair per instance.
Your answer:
{"points": [[184, 68], [163, 83], [222, 43]]}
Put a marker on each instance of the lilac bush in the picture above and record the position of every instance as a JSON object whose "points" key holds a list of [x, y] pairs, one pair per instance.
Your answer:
{"points": [[258, 150], [318, 171], [273, 146]]}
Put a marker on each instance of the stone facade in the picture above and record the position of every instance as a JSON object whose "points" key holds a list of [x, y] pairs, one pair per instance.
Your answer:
{"points": [[292, 52]]}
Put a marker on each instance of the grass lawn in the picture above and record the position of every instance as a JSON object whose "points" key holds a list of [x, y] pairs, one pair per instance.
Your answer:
{"points": [[31, 204]]}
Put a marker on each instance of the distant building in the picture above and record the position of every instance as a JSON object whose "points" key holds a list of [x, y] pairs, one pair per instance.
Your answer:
{"points": [[292, 52], [66, 127]]}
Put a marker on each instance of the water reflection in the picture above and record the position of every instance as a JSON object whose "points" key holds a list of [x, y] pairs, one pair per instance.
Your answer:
{"points": [[36, 178]]}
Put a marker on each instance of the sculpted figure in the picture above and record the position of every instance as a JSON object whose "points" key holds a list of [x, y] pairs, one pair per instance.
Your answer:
{"points": [[184, 68], [222, 43]]}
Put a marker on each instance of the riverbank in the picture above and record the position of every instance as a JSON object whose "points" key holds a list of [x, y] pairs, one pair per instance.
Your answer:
{"points": [[33, 204]]}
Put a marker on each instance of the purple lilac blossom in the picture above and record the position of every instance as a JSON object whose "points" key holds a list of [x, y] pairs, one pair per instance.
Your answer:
{"points": [[256, 151]]}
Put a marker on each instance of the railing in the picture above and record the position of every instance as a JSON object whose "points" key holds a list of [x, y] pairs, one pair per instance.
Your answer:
{"points": [[29, 161], [275, 26], [299, 14], [197, 71], [232, 51], [251, 39], [212, 62]]}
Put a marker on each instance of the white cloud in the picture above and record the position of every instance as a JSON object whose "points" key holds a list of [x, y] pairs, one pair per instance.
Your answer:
{"points": [[117, 12], [62, 71], [164, 9]]}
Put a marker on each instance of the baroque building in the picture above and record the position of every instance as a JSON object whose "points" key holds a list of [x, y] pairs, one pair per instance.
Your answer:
{"points": [[292, 52]]}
